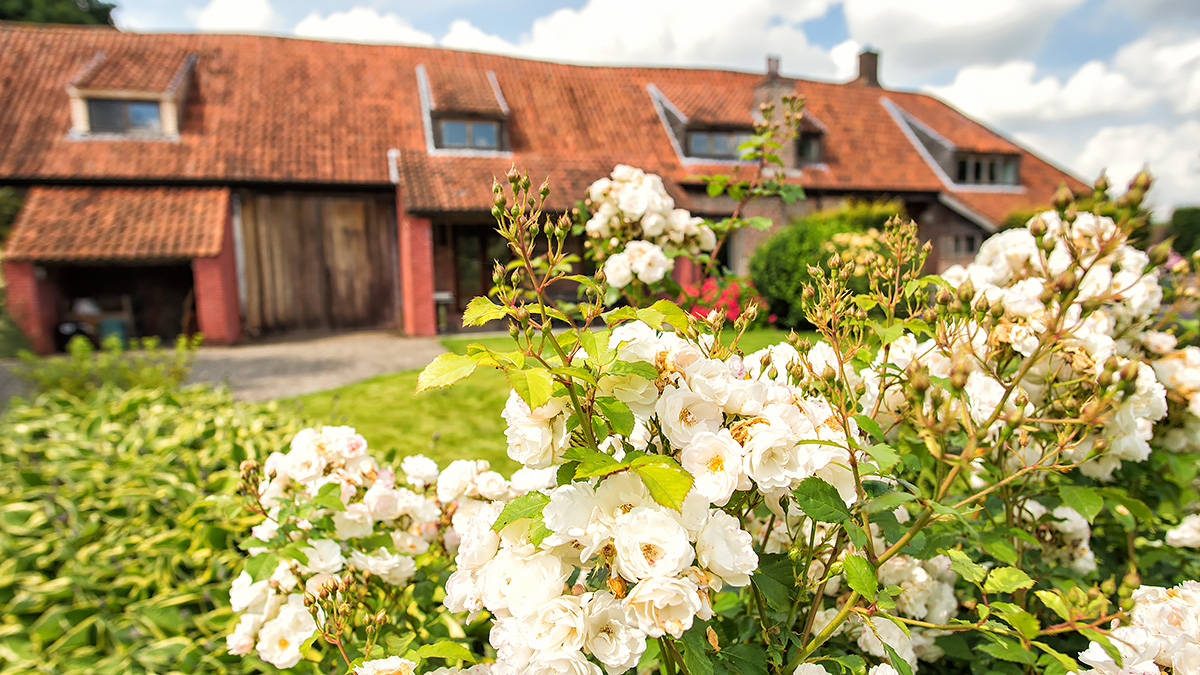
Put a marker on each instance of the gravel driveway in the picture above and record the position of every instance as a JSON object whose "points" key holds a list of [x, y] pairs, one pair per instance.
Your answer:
{"points": [[293, 366], [301, 365]]}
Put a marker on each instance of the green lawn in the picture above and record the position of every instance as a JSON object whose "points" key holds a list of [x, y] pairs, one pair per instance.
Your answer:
{"points": [[462, 421]]}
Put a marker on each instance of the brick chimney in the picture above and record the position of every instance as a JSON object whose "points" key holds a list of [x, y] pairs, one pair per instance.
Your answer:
{"points": [[771, 90], [868, 68]]}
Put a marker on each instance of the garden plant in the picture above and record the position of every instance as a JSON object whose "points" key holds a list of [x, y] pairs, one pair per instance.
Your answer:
{"points": [[991, 470]]}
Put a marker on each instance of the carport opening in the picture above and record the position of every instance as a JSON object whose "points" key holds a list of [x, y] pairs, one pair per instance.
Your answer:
{"points": [[134, 301]]}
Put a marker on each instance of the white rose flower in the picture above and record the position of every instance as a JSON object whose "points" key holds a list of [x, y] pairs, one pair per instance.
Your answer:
{"points": [[715, 461], [324, 556], [772, 457], [248, 595], [458, 479], [1186, 534], [683, 414], [650, 543], [809, 669], [558, 625], [536, 438], [392, 567], [618, 495], [304, 464], [280, 638], [514, 585], [725, 549], [883, 669], [354, 522], [392, 665], [1185, 657], [525, 480], [571, 517], [409, 543], [419, 470], [663, 606], [610, 638], [241, 641], [382, 501], [618, 270], [491, 485]]}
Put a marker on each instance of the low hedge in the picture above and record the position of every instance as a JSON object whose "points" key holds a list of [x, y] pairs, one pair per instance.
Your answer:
{"points": [[117, 556]]}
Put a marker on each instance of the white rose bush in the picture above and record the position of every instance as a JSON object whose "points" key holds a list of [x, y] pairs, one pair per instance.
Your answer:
{"points": [[989, 471]]}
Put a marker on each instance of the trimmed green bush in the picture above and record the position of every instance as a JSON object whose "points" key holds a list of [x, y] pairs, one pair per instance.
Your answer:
{"points": [[779, 268], [85, 368], [119, 528], [1185, 227]]}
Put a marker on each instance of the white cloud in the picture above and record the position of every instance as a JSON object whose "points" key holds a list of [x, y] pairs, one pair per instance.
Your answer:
{"points": [[234, 16], [463, 34], [845, 59], [1172, 155], [922, 36], [667, 32], [1170, 63], [1011, 93], [362, 24]]}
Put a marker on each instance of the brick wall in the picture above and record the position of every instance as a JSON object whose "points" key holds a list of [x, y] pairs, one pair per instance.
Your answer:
{"points": [[31, 303], [416, 273], [218, 310]]}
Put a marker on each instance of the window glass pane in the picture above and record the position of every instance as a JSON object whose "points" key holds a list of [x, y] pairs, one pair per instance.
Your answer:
{"points": [[483, 135], [720, 145], [810, 147], [738, 139], [1010, 172], [106, 115], [699, 143], [978, 170], [454, 134], [962, 170], [993, 173], [143, 116]]}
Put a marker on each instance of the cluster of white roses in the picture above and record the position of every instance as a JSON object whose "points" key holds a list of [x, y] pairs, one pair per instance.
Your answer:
{"points": [[634, 220], [275, 620], [1020, 277], [1164, 633], [642, 570]]}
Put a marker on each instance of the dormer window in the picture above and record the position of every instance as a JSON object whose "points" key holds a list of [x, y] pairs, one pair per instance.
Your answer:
{"points": [[974, 169], [123, 96], [465, 134], [810, 147], [716, 143], [124, 117]]}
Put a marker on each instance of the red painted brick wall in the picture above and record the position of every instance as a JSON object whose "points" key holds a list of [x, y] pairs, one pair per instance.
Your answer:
{"points": [[31, 303], [416, 273], [218, 309], [685, 272]]}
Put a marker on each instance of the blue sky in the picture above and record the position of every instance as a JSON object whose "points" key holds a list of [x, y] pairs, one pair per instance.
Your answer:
{"points": [[1090, 84]]}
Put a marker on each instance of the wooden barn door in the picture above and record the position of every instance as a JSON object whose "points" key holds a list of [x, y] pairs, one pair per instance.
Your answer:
{"points": [[318, 262]]}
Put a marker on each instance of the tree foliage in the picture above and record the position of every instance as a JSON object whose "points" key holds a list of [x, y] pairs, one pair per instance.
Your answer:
{"points": [[91, 12]]}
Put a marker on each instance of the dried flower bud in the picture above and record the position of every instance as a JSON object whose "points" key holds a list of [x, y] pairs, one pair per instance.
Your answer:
{"points": [[1101, 185]]}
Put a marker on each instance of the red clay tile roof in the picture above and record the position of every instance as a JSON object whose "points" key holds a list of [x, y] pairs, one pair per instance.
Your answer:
{"points": [[60, 224], [128, 70], [462, 89], [290, 111], [964, 132]]}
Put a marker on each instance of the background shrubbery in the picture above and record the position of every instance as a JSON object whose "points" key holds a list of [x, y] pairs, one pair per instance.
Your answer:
{"points": [[779, 268], [118, 523]]}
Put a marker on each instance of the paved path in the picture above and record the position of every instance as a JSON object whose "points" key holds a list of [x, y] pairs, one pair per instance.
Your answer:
{"points": [[301, 365], [292, 366]]}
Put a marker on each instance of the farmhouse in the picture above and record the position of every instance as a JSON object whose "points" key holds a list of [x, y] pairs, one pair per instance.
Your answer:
{"points": [[246, 185]]}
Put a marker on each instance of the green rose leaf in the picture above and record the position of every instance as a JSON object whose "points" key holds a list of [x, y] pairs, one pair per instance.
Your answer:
{"points": [[445, 649], [619, 416], [528, 505], [821, 501], [1006, 580], [967, 569], [1087, 501], [667, 482], [445, 370], [861, 576], [533, 385], [482, 310]]}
